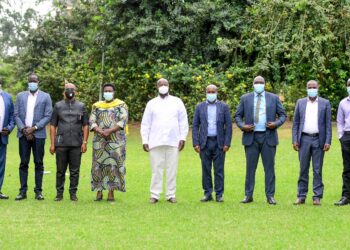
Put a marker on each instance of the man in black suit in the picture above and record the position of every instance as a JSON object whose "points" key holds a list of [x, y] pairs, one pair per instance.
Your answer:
{"points": [[258, 115], [211, 136]]}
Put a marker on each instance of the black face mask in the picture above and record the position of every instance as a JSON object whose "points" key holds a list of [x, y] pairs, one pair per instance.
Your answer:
{"points": [[69, 93]]}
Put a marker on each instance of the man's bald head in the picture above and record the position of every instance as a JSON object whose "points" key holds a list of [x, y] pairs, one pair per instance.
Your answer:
{"points": [[348, 82], [33, 78], [211, 88], [162, 82], [69, 85], [312, 84], [259, 79]]}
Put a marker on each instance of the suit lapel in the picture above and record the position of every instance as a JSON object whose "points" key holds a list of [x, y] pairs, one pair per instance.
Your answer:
{"points": [[251, 102], [218, 106], [205, 107], [25, 102], [319, 108], [303, 110]]}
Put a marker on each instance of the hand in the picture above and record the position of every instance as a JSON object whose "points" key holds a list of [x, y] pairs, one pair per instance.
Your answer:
{"points": [[29, 131], [97, 130], [296, 146], [52, 149], [181, 145], [30, 137], [5, 131], [248, 128], [83, 148], [197, 148], [105, 133], [226, 148], [24, 130], [326, 147], [271, 125], [145, 147]]}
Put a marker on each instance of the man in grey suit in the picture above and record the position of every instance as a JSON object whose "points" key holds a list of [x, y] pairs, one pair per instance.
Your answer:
{"points": [[211, 136], [33, 110], [312, 135], [258, 115]]}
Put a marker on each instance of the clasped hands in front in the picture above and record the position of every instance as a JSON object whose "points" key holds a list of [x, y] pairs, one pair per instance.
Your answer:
{"points": [[103, 132], [28, 133], [248, 128]]}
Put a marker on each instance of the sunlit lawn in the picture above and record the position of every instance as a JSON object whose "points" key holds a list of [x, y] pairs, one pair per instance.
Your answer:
{"points": [[132, 223]]}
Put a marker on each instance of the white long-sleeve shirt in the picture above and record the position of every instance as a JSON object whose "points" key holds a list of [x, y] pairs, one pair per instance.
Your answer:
{"points": [[164, 122]]}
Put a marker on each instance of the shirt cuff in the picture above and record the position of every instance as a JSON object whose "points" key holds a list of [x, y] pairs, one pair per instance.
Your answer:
{"points": [[94, 125]]}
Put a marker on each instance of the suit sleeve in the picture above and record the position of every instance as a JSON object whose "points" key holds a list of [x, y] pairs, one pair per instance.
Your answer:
{"points": [[328, 123], [196, 126], [228, 124], [18, 120], [296, 123], [11, 123], [47, 113], [240, 114], [281, 113]]}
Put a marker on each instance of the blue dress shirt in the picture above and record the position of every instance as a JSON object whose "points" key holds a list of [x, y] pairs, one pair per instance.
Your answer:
{"points": [[261, 125], [212, 119]]}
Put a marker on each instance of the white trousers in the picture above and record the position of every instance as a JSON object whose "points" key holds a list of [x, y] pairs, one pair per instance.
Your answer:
{"points": [[168, 157]]}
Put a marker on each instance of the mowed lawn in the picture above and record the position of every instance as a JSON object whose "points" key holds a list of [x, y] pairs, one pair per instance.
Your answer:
{"points": [[132, 223]]}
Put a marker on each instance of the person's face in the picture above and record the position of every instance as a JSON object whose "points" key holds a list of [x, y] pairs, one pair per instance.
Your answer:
{"points": [[108, 89], [162, 83], [312, 85], [211, 91], [33, 78]]}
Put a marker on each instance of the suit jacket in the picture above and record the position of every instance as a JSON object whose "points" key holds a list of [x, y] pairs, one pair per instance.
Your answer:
{"points": [[42, 112], [274, 113], [324, 121], [223, 125], [9, 121]]}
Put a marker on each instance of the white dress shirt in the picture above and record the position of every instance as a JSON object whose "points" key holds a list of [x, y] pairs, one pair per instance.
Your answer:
{"points": [[311, 117], [30, 108], [2, 112], [164, 122]]}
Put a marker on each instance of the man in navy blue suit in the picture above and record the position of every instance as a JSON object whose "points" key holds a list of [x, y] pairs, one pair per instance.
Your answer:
{"points": [[312, 135], [33, 110], [211, 135], [258, 115], [7, 123]]}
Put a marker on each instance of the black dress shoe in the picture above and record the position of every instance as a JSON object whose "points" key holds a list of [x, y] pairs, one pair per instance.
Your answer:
{"points": [[247, 199], [59, 197], [299, 201], [21, 196], [219, 199], [271, 201], [39, 197], [73, 197], [3, 197], [207, 198], [343, 201]]}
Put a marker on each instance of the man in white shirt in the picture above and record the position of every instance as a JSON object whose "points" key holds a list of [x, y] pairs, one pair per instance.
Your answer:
{"points": [[33, 110], [164, 129], [312, 135]]}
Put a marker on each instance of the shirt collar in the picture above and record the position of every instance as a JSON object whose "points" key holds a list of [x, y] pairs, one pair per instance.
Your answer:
{"points": [[262, 93], [35, 94]]}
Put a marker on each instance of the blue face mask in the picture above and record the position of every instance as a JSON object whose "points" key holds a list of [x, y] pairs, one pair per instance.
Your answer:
{"points": [[211, 97], [108, 96], [348, 88], [312, 92], [259, 88], [32, 86]]}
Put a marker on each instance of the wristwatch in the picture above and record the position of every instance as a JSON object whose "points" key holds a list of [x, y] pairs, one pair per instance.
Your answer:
{"points": [[84, 142], [36, 128]]}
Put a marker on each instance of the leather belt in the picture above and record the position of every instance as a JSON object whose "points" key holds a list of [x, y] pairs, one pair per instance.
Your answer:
{"points": [[311, 135]]}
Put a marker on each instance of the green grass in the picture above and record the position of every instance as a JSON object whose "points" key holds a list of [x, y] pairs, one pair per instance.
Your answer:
{"points": [[132, 223]]}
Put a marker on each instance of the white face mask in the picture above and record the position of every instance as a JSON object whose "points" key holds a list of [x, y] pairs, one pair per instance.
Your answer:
{"points": [[163, 90]]}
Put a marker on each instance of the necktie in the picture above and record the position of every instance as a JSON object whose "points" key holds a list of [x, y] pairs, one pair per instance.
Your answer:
{"points": [[257, 108]]}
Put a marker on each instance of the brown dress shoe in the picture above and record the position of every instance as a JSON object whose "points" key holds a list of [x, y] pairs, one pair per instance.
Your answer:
{"points": [[153, 200], [172, 200], [299, 201], [317, 202]]}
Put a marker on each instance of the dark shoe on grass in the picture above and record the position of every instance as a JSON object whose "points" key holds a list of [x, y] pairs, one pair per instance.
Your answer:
{"points": [[59, 197], [247, 199], [153, 200], [207, 198], [299, 201], [3, 197], [172, 200], [343, 201], [73, 197], [21, 196], [39, 196]]}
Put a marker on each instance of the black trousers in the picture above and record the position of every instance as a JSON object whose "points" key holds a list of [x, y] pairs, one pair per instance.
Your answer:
{"points": [[345, 149], [212, 155], [67, 156], [25, 148]]}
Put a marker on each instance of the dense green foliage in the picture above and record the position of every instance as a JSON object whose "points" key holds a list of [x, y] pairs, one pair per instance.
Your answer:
{"points": [[192, 43]]}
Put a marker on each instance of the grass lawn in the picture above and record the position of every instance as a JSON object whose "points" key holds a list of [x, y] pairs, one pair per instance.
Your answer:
{"points": [[132, 223]]}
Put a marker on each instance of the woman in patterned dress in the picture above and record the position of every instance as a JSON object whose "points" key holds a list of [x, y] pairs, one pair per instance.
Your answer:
{"points": [[108, 120]]}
